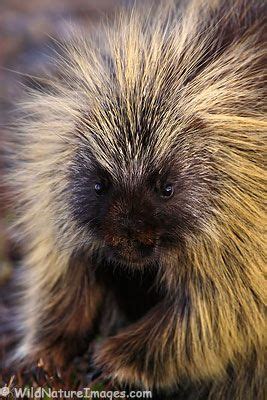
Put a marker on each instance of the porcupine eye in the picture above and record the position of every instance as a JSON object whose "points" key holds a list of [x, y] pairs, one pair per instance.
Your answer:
{"points": [[100, 188], [167, 190]]}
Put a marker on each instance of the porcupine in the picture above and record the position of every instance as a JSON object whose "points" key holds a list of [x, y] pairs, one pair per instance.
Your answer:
{"points": [[139, 186]]}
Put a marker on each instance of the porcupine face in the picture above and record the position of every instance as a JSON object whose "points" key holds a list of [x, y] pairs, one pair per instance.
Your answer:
{"points": [[131, 217], [140, 179], [138, 207]]}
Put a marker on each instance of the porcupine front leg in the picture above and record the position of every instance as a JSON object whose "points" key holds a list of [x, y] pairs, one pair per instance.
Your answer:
{"points": [[60, 307], [172, 343]]}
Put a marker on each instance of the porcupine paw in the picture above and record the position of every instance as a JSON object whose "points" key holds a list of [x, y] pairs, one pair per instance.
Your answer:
{"points": [[121, 361]]}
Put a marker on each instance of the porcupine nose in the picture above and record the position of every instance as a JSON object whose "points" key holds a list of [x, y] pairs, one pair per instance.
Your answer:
{"points": [[140, 236]]}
